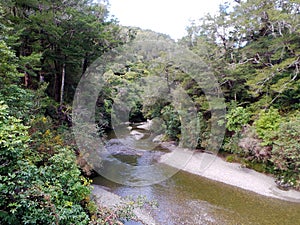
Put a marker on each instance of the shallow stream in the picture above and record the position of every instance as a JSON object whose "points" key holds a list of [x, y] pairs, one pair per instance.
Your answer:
{"points": [[190, 199]]}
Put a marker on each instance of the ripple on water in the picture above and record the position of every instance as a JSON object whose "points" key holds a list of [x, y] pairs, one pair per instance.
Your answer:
{"points": [[189, 199]]}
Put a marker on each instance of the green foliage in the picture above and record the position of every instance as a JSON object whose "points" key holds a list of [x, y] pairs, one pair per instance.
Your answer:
{"points": [[232, 158], [172, 122], [13, 140], [22, 102], [258, 166], [286, 151], [253, 49], [19, 100], [57, 41], [231, 144], [267, 123], [237, 118], [8, 68], [40, 182], [35, 190]]}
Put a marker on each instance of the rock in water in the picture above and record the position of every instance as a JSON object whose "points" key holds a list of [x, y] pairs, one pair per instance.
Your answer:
{"points": [[137, 135]]}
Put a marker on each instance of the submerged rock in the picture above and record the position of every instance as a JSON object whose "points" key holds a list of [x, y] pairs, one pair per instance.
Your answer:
{"points": [[116, 147], [137, 135]]}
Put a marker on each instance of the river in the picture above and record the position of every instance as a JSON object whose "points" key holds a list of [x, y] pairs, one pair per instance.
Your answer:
{"points": [[190, 199]]}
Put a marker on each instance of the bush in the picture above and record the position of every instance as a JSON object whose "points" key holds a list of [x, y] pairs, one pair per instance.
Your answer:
{"points": [[267, 123], [232, 158], [286, 151], [252, 146], [231, 144], [237, 118], [172, 122], [35, 191]]}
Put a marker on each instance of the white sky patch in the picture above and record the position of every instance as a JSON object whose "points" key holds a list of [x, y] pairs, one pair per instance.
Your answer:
{"points": [[165, 16]]}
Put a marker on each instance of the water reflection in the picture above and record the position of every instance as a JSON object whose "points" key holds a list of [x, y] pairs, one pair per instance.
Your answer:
{"points": [[189, 199]]}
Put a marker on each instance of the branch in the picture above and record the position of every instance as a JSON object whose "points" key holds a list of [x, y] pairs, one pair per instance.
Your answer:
{"points": [[282, 89]]}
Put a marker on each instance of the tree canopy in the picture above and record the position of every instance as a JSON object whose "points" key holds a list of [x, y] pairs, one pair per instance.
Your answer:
{"points": [[245, 60]]}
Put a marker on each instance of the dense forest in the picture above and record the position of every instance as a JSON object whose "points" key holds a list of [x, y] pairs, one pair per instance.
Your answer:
{"points": [[248, 55], [253, 49]]}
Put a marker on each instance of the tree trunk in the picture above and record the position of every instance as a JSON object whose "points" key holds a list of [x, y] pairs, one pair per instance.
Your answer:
{"points": [[63, 75], [26, 79], [57, 81]]}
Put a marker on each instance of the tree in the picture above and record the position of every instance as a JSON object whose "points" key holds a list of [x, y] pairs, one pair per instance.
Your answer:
{"points": [[258, 44], [67, 35], [253, 49], [11, 93]]}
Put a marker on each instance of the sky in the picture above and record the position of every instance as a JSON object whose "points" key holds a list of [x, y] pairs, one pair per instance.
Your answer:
{"points": [[164, 16]]}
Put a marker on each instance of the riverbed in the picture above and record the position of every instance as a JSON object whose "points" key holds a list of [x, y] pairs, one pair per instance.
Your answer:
{"points": [[187, 198]]}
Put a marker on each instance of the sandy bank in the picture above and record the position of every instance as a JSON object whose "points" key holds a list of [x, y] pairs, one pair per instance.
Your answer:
{"points": [[215, 168]]}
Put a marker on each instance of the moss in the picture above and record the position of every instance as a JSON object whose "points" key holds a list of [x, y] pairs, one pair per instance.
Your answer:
{"points": [[232, 158], [259, 167]]}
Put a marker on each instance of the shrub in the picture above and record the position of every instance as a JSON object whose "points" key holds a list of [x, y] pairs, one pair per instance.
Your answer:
{"points": [[267, 123], [286, 151], [34, 191], [247, 144], [172, 122], [231, 144], [252, 146], [232, 158], [237, 118]]}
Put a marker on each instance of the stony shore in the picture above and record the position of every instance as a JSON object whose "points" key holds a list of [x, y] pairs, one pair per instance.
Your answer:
{"points": [[215, 168], [105, 198]]}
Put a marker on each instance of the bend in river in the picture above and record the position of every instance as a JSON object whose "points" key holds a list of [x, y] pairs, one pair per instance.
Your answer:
{"points": [[190, 199]]}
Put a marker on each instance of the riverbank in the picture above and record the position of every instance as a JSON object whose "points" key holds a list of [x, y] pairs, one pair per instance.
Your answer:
{"points": [[105, 198], [215, 168]]}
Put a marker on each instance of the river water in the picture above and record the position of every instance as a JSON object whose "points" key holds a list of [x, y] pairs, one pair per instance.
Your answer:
{"points": [[190, 199]]}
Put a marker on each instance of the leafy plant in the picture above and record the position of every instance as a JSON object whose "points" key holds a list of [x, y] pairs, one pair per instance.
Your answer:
{"points": [[267, 123], [172, 122], [231, 144], [286, 151], [237, 118], [34, 189]]}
